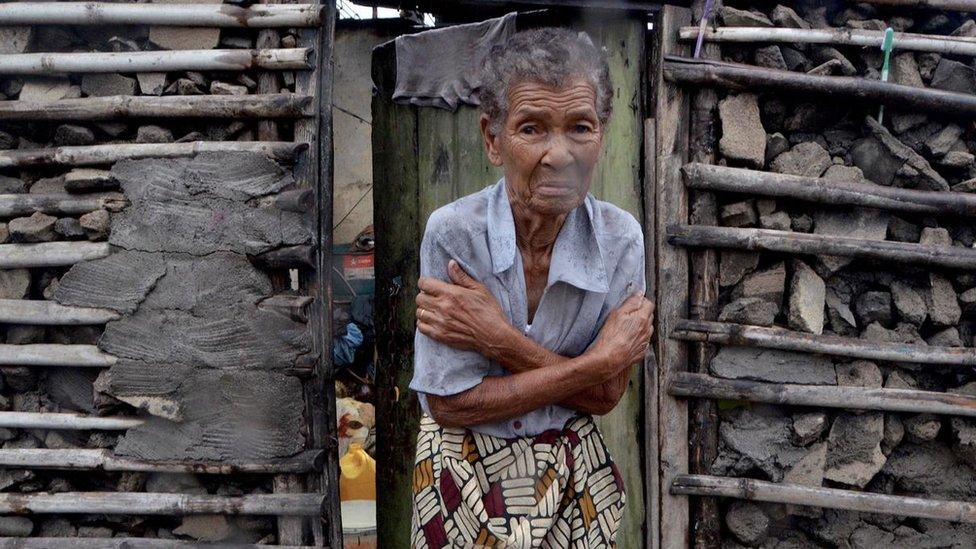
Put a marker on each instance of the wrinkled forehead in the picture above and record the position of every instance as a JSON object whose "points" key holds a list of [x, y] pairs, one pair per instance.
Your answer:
{"points": [[577, 96]]}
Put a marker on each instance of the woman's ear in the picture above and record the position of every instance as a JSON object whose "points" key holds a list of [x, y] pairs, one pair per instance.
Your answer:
{"points": [[491, 141]]}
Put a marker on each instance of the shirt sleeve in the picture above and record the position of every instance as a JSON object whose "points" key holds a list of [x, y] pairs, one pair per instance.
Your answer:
{"points": [[437, 368]]}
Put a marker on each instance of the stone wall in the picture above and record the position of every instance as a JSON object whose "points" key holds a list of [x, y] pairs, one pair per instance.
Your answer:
{"points": [[839, 140]]}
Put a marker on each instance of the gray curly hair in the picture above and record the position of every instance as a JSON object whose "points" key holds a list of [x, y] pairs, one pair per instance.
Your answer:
{"points": [[551, 56]]}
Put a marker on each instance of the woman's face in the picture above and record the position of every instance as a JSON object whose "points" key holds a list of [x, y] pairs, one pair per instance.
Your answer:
{"points": [[548, 146]]}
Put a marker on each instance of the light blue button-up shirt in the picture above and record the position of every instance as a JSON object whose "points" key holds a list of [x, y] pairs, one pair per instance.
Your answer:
{"points": [[597, 262]]}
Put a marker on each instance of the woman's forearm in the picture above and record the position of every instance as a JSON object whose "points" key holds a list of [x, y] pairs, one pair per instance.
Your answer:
{"points": [[517, 353], [498, 398]]}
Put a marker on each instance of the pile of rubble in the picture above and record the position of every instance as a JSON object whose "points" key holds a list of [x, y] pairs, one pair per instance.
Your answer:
{"points": [[91, 391], [839, 141]]}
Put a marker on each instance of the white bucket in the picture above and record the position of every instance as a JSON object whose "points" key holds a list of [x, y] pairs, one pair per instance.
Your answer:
{"points": [[359, 524]]}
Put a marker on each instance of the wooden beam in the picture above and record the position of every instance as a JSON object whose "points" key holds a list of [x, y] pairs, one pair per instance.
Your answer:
{"points": [[90, 155], [813, 189], [105, 460], [282, 105], [50, 254], [671, 117], [46, 420], [735, 76], [55, 354], [948, 45], [154, 61], [830, 498], [697, 236], [158, 503], [15, 205], [721, 333], [183, 15], [49, 313], [690, 385]]}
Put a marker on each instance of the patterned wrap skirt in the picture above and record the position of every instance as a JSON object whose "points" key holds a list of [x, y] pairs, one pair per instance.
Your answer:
{"points": [[559, 489]]}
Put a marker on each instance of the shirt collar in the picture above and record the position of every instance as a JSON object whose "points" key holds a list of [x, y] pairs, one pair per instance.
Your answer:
{"points": [[576, 256]]}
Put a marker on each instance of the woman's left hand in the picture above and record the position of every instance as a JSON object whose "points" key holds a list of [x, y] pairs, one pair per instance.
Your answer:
{"points": [[463, 315]]}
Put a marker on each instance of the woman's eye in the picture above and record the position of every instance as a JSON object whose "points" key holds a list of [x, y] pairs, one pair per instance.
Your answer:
{"points": [[582, 128], [529, 130]]}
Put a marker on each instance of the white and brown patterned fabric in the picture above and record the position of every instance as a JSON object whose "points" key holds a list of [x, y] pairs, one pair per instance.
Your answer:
{"points": [[559, 489]]}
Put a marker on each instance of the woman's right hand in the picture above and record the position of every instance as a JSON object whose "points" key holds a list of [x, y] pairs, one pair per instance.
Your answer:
{"points": [[625, 336]]}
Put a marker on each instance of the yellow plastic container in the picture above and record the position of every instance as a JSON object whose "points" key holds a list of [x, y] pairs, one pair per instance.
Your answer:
{"points": [[358, 478]]}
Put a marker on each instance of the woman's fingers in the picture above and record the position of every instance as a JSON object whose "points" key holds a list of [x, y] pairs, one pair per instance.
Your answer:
{"points": [[432, 286]]}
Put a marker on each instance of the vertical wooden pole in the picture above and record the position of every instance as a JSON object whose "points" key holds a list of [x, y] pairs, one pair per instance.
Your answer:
{"points": [[703, 435], [672, 299], [398, 229], [268, 81], [652, 462]]}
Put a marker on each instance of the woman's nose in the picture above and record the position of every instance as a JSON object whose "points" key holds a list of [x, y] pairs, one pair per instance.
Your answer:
{"points": [[558, 154]]}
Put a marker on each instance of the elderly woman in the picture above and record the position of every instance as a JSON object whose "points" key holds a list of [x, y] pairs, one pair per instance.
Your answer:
{"points": [[529, 318]]}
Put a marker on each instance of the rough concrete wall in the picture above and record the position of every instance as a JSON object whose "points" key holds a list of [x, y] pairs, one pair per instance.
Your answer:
{"points": [[197, 351], [351, 119], [838, 140]]}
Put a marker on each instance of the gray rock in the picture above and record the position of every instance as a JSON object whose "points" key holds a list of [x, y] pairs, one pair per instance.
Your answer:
{"points": [[57, 528], [904, 70], [15, 39], [94, 532], [100, 85], [927, 63], [909, 303], [223, 88], [842, 320], [760, 438], [922, 428], [785, 17], [935, 236], [770, 57], [89, 180], [903, 333], [38, 227], [96, 224], [844, 174], [776, 144], [69, 134], [859, 373], [738, 214], [733, 265], [825, 54], [964, 439], [773, 366], [854, 448], [807, 300], [777, 221], [151, 83], [807, 118], [45, 88], [185, 38], [732, 17], [209, 528], [887, 161], [942, 302], [903, 121], [14, 283], [968, 186], [894, 433], [750, 310], [873, 307], [967, 300], [802, 223], [954, 76], [902, 231], [18, 527], [12, 185], [747, 522], [948, 337], [957, 160], [70, 228], [153, 134], [807, 159], [768, 284], [941, 142], [48, 185], [743, 137], [183, 86], [808, 427]]}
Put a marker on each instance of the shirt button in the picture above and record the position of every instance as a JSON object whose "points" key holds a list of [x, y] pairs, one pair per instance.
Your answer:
{"points": [[517, 424]]}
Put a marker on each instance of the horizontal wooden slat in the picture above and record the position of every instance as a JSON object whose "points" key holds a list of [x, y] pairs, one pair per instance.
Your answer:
{"points": [[827, 396], [97, 459], [107, 154], [184, 15], [54, 354], [45, 420], [734, 76], [722, 333], [50, 254], [830, 498], [128, 503], [49, 313], [154, 61], [951, 45], [958, 5], [812, 189], [120, 543], [15, 205], [699, 236], [278, 105]]}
